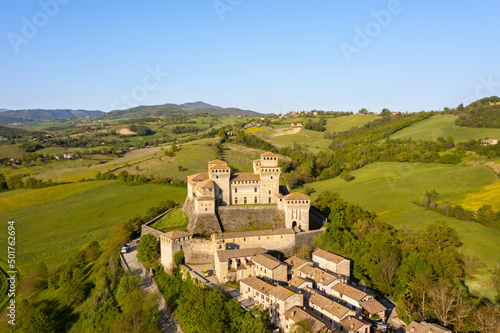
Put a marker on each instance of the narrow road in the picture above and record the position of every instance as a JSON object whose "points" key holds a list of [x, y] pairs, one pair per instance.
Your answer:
{"points": [[167, 321]]}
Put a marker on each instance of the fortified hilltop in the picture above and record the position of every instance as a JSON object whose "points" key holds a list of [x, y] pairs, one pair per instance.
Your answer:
{"points": [[220, 200]]}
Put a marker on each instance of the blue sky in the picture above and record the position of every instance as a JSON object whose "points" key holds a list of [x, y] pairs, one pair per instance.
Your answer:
{"points": [[268, 56]]}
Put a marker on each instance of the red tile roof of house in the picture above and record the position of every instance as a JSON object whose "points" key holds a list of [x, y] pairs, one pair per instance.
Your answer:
{"points": [[335, 258]]}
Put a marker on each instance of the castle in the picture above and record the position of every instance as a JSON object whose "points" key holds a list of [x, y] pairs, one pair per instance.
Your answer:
{"points": [[209, 193]]}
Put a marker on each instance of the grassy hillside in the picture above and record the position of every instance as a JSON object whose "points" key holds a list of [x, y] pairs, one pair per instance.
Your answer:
{"points": [[174, 220], [241, 158], [52, 221], [390, 189], [444, 126], [475, 198], [345, 123], [288, 136]]}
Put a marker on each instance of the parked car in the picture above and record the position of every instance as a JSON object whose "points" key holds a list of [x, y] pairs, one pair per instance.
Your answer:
{"points": [[380, 325], [124, 249]]}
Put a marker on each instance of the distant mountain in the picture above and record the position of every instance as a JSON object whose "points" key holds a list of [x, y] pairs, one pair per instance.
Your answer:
{"points": [[24, 116], [2, 110], [177, 109], [481, 113]]}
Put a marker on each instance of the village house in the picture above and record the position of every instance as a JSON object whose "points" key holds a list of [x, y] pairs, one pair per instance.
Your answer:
{"points": [[489, 142], [332, 262], [234, 265], [281, 300], [372, 307], [350, 295], [310, 272], [326, 281], [294, 264], [425, 327], [257, 290], [270, 268], [296, 314], [298, 283], [355, 325], [328, 308], [68, 156]]}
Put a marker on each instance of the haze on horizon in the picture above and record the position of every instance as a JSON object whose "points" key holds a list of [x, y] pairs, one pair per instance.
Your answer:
{"points": [[270, 57]]}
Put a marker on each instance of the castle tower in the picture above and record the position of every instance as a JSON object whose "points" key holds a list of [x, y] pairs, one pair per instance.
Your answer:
{"points": [[269, 171], [296, 207], [220, 174], [171, 243]]}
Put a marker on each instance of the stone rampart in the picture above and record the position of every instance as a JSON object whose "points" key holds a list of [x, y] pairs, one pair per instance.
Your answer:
{"points": [[201, 251], [240, 218]]}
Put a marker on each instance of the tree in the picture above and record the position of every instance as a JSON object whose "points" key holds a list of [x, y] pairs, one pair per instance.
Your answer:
{"points": [[439, 234], [147, 248], [178, 256], [442, 301], [304, 252], [346, 175], [302, 326]]}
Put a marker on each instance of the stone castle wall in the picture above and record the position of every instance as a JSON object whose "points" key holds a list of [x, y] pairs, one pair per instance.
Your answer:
{"points": [[201, 251], [306, 238], [240, 218]]}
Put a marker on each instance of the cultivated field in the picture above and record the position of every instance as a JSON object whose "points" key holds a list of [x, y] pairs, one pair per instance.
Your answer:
{"points": [[390, 189], [444, 126], [475, 198], [241, 158], [345, 123], [51, 222], [282, 138]]}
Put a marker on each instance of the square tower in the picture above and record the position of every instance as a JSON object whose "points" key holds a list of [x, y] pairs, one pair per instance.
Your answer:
{"points": [[171, 243], [220, 174], [269, 171]]}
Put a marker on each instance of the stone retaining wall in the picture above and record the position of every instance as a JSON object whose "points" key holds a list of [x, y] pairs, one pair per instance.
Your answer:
{"points": [[240, 218]]}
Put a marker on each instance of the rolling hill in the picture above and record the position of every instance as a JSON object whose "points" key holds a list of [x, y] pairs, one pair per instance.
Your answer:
{"points": [[23, 116], [170, 109]]}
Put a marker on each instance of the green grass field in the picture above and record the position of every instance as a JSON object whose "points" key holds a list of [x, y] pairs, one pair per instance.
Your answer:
{"points": [[477, 197], [390, 189], [174, 220], [51, 222], [345, 123], [241, 158], [444, 126], [288, 136]]}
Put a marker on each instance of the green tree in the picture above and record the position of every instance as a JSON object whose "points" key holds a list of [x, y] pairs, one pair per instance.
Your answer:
{"points": [[302, 326], [178, 256], [147, 248]]}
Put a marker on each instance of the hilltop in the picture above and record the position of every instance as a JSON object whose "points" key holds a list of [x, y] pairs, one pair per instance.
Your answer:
{"points": [[482, 113], [23, 116], [170, 109]]}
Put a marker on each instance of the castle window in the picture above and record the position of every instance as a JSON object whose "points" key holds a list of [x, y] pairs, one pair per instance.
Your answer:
{"points": [[255, 189], [271, 176], [255, 200], [245, 200], [236, 200], [235, 190], [269, 191], [269, 200], [220, 191]]}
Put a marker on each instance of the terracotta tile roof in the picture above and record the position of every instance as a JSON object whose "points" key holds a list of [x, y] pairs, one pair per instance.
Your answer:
{"points": [[257, 161], [206, 185], [257, 284], [311, 271], [218, 167], [297, 196], [244, 176], [425, 327], [175, 234], [205, 198], [296, 282], [349, 291], [267, 261], [268, 154], [217, 162], [353, 323], [335, 258], [297, 261], [326, 278], [256, 233], [198, 177], [329, 305], [281, 293], [372, 306], [296, 314], [225, 255]]}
